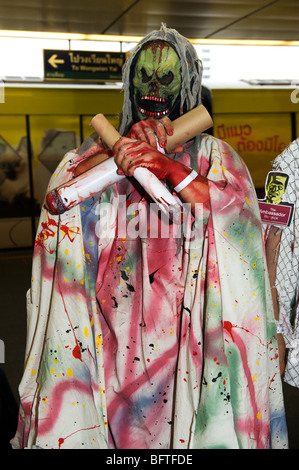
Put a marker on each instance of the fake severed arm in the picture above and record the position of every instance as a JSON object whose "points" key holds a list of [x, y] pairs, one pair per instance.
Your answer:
{"points": [[98, 178]]}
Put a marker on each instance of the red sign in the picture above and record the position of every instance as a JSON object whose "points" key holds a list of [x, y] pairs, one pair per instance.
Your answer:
{"points": [[275, 214]]}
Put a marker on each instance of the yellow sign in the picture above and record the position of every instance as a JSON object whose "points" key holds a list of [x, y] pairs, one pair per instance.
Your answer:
{"points": [[258, 138]]}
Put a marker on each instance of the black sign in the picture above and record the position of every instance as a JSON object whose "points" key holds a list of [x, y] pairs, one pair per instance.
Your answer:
{"points": [[83, 65]]}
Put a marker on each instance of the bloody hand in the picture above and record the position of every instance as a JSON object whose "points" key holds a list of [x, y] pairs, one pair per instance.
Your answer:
{"points": [[130, 154], [153, 131]]}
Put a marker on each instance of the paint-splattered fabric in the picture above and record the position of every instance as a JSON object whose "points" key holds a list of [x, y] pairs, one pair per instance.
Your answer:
{"points": [[138, 341]]}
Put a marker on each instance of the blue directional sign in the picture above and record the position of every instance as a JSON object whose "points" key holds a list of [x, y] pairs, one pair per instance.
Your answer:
{"points": [[83, 65]]}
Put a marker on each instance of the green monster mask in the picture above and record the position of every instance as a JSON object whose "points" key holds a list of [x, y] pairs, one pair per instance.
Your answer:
{"points": [[156, 82]]}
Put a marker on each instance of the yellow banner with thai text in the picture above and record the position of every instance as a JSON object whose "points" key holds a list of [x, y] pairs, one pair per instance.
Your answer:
{"points": [[258, 138]]}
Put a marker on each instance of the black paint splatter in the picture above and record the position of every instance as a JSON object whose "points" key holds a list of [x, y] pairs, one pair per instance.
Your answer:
{"points": [[130, 287], [151, 276], [115, 302], [215, 378], [186, 308], [124, 276], [226, 397]]}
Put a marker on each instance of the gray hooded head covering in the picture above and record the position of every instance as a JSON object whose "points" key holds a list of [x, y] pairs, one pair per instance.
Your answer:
{"points": [[191, 71]]}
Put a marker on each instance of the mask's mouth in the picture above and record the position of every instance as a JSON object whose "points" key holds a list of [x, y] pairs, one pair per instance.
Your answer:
{"points": [[153, 106]]}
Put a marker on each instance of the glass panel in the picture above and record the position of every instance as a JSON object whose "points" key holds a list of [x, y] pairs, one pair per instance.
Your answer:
{"points": [[16, 207], [51, 137]]}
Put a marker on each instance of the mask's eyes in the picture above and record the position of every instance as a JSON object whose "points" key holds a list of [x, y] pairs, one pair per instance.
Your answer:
{"points": [[166, 79], [144, 76]]}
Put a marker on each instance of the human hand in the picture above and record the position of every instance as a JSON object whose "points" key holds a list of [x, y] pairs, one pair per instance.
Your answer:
{"points": [[154, 132], [131, 154]]}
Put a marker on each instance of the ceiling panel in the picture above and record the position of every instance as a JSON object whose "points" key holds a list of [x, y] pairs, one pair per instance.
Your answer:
{"points": [[255, 19]]}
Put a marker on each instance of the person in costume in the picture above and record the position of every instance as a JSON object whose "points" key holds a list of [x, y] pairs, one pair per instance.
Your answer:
{"points": [[153, 342], [282, 258]]}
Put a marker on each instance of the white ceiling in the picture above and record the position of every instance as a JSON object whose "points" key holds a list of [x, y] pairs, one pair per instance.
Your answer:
{"points": [[229, 19]]}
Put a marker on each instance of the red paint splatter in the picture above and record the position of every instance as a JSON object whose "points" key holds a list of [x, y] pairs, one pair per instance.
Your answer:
{"points": [[68, 231], [255, 425], [77, 352], [272, 380], [227, 325], [60, 441], [46, 232]]}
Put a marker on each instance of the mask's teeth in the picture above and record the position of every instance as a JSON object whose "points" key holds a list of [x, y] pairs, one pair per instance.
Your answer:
{"points": [[153, 98], [153, 114]]}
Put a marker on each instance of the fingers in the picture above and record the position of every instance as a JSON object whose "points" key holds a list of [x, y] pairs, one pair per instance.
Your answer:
{"points": [[152, 131], [126, 151], [121, 142], [144, 132], [134, 154], [161, 131], [167, 123]]}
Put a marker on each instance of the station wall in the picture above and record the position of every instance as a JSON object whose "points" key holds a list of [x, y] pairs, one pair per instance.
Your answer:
{"points": [[39, 124]]}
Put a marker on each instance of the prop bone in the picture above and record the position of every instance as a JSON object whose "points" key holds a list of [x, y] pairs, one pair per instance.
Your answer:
{"points": [[98, 178]]}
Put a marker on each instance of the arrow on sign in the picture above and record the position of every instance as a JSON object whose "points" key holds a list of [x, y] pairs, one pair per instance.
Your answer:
{"points": [[54, 61]]}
